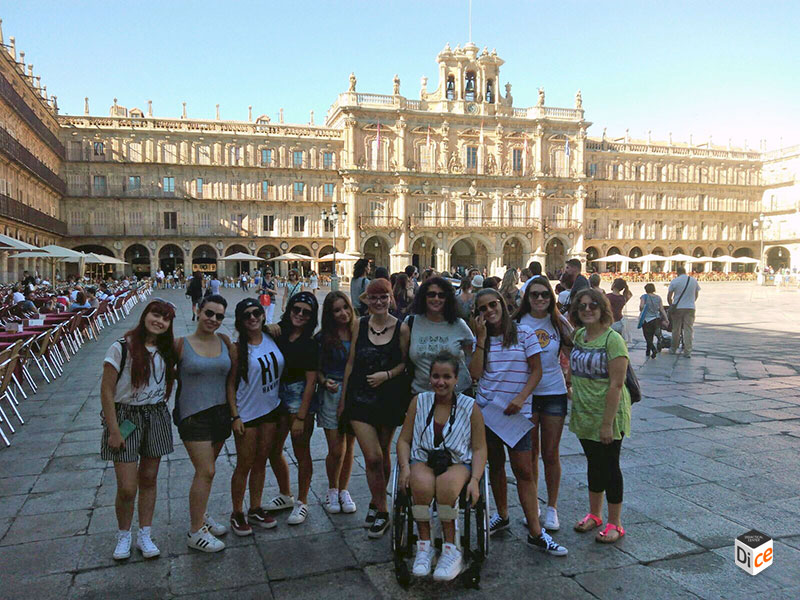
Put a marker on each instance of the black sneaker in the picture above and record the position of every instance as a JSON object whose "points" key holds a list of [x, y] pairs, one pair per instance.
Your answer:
{"points": [[498, 523], [379, 525], [371, 512], [546, 544]]}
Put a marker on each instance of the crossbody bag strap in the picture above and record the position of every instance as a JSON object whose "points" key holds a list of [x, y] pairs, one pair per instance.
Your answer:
{"points": [[688, 279]]}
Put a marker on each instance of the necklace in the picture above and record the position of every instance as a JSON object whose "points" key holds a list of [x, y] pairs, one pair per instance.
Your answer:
{"points": [[381, 332]]}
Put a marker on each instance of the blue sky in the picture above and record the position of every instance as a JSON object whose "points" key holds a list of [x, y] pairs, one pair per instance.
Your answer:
{"points": [[728, 69]]}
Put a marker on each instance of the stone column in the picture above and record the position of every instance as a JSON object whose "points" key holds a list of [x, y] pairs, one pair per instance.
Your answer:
{"points": [[401, 248], [349, 189], [580, 203], [4, 275], [538, 148]]}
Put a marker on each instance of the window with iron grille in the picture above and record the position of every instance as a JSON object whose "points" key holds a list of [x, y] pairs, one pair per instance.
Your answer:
{"points": [[299, 224]]}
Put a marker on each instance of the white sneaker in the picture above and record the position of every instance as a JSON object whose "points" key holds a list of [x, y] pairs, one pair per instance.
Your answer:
{"points": [[449, 565], [280, 502], [214, 527], [550, 521], [299, 514], [424, 558], [203, 540], [145, 543], [332, 505], [123, 549], [346, 502]]}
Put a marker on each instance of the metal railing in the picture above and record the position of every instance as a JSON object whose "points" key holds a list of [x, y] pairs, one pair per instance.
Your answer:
{"points": [[562, 224], [464, 222], [379, 222], [16, 210], [10, 95], [25, 158]]}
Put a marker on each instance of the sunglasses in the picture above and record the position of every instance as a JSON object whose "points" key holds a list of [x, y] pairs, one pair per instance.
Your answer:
{"points": [[252, 314], [302, 312], [383, 298], [591, 306], [440, 295], [154, 300], [493, 304], [210, 313], [542, 295]]}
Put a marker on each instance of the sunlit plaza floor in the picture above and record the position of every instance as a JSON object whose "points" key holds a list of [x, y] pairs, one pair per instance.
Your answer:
{"points": [[713, 454]]}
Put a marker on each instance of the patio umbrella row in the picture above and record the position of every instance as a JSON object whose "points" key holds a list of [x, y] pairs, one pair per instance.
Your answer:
{"points": [[679, 258]]}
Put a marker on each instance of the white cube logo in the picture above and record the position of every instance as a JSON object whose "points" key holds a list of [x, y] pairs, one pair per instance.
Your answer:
{"points": [[753, 551]]}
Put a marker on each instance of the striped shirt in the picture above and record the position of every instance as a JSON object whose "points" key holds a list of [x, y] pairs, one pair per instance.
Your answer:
{"points": [[506, 371], [457, 437]]}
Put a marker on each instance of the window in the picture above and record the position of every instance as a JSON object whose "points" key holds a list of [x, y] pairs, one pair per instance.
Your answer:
{"points": [[516, 160], [99, 184], [235, 154], [100, 218], [266, 157], [199, 187], [298, 189], [168, 185], [264, 189], [328, 226], [299, 224], [679, 231], [204, 220], [490, 91], [472, 157], [517, 214], [75, 151], [659, 173], [268, 223], [425, 210], [170, 220], [592, 169], [99, 149], [376, 208], [237, 222], [615, 171], [134, 183], [204, 155], [327, 160], [135, 219], [170, 153], [327, 190], [297, 158]]}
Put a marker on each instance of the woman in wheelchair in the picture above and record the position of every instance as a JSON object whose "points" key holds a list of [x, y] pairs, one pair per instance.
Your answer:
{"points": [[441, 449]]}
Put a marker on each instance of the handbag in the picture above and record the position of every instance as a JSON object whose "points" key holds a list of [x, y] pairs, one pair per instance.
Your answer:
{"points": [[631, 380], [673, 307]]}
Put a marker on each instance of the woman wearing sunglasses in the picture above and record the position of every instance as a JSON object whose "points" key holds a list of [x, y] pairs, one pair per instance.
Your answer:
{"points": [[293, 286], [601, 408], [138, 375], [435, 327], [253, 397], [539, 313], [507, 366], [300, 353], [374, 404], [203, 414]]}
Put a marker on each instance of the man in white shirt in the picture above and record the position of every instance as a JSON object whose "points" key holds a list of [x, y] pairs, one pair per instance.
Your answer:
{"points": [[18, 296], [160, 279], [681, 296]]}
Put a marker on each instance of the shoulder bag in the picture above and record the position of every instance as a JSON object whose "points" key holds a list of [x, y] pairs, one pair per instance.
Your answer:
{"points": [[631, 381]]}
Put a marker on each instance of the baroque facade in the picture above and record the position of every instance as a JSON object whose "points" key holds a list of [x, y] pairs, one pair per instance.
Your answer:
{"points": [[458, 177]]}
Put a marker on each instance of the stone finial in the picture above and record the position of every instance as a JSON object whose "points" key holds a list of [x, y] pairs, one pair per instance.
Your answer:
{"points": [[44, 91], [183, 113], [627, 135], [578, 100], [649, 136], [353, 82], [311, 121], [250, 113], [217, 112], [86, 105], [746, 147], [540, 101], [280, 115], [115, 103], [13, 49], [396, 85], [1, 31], [55, 104], [690, 139], [38, 82], [604, 133], [710, 140], [149, 108], [729, 143], [22, 60], [670, 138], [30, 73]]}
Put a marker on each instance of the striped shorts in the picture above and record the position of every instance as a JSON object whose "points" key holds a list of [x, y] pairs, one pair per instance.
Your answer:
{"points": [[152, 437]]}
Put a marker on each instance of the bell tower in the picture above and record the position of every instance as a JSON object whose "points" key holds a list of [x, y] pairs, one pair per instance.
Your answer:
{"points": [[468, 80]]}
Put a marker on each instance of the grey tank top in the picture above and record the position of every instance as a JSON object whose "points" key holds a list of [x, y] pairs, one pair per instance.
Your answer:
{"points": [[202, 380]]}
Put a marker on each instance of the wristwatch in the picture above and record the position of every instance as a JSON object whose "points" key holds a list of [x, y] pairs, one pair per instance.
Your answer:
{"points": [[234, 418]]}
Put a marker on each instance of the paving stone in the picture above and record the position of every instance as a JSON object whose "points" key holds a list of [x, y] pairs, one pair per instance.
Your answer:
{"points": [[260, 591], [201, 572], [10, 505], [652, 541], [50, 587], [47, 526], [23, 466], [140, 580], [632, 583], [301, 556], [12, 486], [63, 500], [711, 495], [40, 558], [348, 584], [76, 480]]}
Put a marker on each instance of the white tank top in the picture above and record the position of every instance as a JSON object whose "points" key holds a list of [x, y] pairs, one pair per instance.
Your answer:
{"points": [[258, 395], [457, 435]]}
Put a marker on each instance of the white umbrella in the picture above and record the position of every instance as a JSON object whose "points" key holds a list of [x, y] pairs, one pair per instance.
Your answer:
{"points": [[703, 259], [292, 256], [612, 258], [9, 243], [338, 256], [648, 257], [107, 260], [725, 258], [680, 258], [746, 260], [241, 256]]}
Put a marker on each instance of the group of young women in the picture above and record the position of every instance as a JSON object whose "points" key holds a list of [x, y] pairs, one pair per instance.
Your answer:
{"points": [[462, 395]]}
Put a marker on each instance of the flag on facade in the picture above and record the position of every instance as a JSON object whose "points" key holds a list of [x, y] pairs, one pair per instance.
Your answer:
{"points": [[379, 134], [566, 147], [481, 138], [428, 139]]}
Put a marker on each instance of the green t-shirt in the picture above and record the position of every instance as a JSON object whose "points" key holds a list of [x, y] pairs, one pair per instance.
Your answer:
{"points": [[588, 363]]}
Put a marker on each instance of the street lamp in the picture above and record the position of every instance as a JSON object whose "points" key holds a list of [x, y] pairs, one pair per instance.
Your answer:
{"points": [[332, 217], [760, 223]]}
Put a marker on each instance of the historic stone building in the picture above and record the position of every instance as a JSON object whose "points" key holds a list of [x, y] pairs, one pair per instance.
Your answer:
{"points": [[457, 176]]}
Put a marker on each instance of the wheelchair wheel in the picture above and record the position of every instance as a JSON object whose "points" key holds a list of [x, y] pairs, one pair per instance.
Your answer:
{"points": [[482, 515], [401, 526]]}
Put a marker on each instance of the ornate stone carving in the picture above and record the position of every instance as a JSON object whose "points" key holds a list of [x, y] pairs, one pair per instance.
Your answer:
{"points": [[472, 191], [578, 100], [423, 88], [396, 85], [491, 165], [353, 81], [454, 164], [540, 102], [508, 100]]}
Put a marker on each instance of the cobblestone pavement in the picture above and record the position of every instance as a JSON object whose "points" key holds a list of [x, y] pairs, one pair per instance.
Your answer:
{"points": [[712, 455]]}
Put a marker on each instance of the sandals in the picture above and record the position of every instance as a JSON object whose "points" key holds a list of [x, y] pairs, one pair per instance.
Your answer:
{"points": [[604, 538], [588, 523]]}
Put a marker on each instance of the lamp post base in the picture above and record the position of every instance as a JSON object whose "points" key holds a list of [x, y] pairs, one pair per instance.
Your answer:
{"points": [[334, 282]]}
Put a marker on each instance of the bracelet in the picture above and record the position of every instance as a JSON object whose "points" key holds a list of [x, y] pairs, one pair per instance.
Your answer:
{"points": [[479, 347], [234, 418], [388, 375]]}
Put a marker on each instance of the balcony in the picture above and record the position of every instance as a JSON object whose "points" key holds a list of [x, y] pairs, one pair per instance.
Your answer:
{"points": [[282, 228], [17, 211], [23, 157], [10, 95], [562, 225], [379, 222], [474, 223]]}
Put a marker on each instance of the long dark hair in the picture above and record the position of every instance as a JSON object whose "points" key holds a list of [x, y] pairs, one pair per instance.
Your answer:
{"points": [[140, 358], [400, 288], [286, 317], [420, 305], [242, 348], [552, 306], [360, 267], [508, 326], [329, 335]]}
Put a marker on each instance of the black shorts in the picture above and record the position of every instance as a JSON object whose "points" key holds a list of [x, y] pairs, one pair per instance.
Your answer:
{"points": [[270, 417], [209, 425]]}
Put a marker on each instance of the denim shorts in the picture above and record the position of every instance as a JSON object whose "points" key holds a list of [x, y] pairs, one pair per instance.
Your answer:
{"points": [[328, 406], [210, 425], [554, 405], [414, 462], [525, 443], [291, 395]]}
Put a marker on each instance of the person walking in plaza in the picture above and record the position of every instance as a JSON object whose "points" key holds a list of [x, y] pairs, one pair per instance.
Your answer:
{"points": [[195, 291], [601, 408], [138, 377], [435, 326], [539, 313], [681, 310], [293, 286], [618, 298], [509, 289], [253, 397], [403, 293], [577, 282], [300, 354], [214, 284], [203, 414], [652, 318], [270, 288], [313, 282], [371, 402], [594, 282], [334, 339], [508, 368], [358, 285], [447, 423]]}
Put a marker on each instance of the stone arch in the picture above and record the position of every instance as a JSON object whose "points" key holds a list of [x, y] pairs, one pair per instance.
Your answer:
{"points": [[742, 267], [138, 257], [635, 252], [204, 259], [470, 249], [304, 266], [267, 253], [555, 255], [326, 267], [96, 248], [514, 254], [778, 257], [592, 253], [376, 249], [170, 258], [717, 266], [657, 266], [423, 252]]}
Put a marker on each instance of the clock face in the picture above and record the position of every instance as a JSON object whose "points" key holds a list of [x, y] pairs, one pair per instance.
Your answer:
{"points": [[472, 108]]}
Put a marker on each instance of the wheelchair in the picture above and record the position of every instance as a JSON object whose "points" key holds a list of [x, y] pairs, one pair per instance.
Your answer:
{"points": [[404, 537]]}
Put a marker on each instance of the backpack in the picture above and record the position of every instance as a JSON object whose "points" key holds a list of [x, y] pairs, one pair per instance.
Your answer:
{"points": [[124, 345]]}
